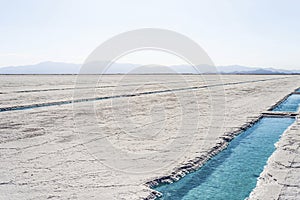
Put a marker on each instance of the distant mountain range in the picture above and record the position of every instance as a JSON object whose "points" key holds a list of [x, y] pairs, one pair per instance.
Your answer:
{"points": [[237, 69], [42, 68], [121, 68]]}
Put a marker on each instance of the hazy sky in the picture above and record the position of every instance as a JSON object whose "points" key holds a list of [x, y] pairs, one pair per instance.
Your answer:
{"points": [[245, 32]]}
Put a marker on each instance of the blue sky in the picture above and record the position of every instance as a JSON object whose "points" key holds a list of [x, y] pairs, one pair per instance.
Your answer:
{"points": [[246, 32]]}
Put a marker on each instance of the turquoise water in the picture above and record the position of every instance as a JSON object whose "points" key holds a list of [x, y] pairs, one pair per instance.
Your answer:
{"points": [[231, 174], [291, 104]]}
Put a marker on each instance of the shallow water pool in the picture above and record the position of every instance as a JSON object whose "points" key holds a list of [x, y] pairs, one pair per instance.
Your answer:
{"points": [[231, 174], [291, 104]]}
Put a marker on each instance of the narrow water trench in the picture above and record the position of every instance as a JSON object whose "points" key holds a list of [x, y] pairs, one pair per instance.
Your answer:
{"points": [[291, 104], [231, 174], [58, 103]]}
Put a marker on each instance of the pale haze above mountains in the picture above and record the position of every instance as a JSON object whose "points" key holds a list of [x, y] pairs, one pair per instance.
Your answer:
{"points": [[121, 68]]}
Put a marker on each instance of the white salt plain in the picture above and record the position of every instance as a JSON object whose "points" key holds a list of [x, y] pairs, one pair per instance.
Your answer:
{"points": [[64, 152]]}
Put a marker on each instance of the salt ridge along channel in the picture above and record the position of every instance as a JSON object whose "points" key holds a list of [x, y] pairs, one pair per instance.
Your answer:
{"points": [[232, 173]]}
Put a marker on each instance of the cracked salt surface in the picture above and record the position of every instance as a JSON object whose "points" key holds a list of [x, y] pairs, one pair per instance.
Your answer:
{"points": [[43, 157]]}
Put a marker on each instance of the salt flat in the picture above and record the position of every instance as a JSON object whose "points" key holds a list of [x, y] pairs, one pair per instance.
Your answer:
{"points": [[141, 128]]}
